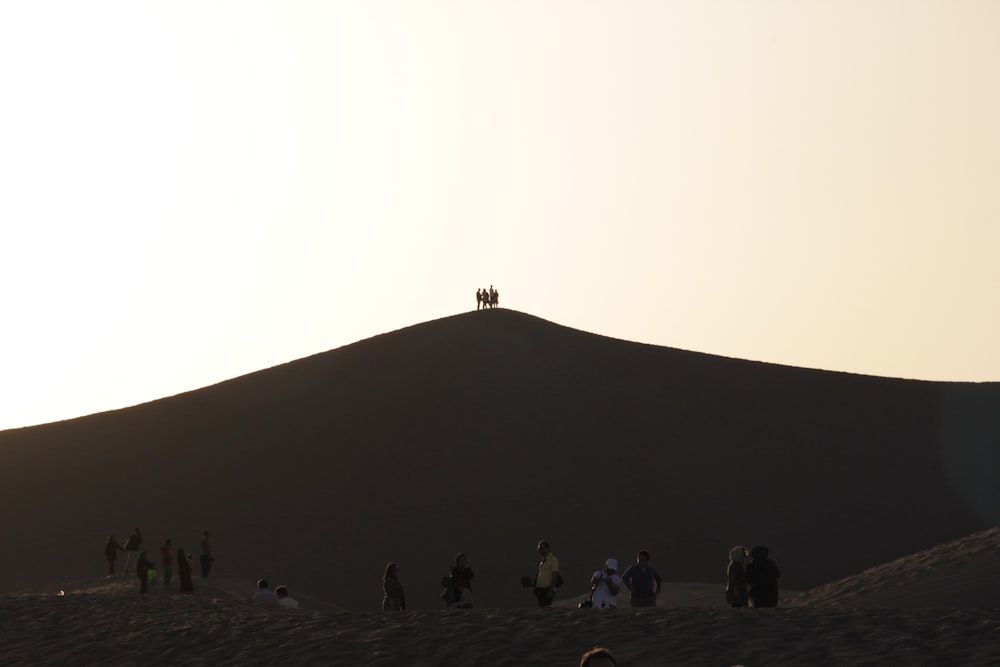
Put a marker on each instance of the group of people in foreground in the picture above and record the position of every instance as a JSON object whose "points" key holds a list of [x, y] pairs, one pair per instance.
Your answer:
{"points": [[753, 583]]}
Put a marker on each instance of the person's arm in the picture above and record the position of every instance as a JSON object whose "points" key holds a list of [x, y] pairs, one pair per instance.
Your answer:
{"points": [[612, 586], [627, 579], [658, 580], [596, 579]]}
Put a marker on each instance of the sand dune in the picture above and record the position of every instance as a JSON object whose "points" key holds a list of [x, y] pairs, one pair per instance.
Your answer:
{"points": [[486, 431]]}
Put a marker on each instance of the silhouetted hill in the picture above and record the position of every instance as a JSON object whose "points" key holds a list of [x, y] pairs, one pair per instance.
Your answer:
{"points": [[485, 431]]}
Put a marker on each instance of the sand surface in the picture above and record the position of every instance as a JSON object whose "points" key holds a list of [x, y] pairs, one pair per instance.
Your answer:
{"points": [[110, 623]]}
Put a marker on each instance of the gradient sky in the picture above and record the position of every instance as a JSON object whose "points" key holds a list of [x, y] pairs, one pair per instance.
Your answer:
{"points": [[191, 191]]}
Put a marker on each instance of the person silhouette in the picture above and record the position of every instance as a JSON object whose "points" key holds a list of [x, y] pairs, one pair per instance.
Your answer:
{"points": [[479, 299]]}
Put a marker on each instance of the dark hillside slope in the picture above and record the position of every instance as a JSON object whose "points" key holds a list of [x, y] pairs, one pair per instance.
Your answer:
{"points": [[485, 431]]}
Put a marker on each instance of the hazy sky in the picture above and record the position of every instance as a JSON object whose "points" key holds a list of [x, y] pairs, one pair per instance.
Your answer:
{"points": [[191, 191]]}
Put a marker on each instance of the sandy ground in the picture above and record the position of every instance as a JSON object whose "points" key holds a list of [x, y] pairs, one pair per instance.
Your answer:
{"points": [[102, 623]]}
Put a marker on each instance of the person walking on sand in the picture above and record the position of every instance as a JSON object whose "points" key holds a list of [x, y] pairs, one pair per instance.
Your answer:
{"points": [[548, 579], [284, 600], [133, 546], [736, 578], [264, 594], [606, 583], [168, 562], [393, 598], [184, 572], [642, 581], [762, 578], [111, 549], [206, 556]]}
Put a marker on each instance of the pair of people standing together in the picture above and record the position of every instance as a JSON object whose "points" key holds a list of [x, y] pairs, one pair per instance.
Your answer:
{"points": [[756, 580], [641, 579]]}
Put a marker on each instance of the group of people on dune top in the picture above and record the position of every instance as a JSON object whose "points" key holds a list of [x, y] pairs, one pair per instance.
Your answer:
{"points": [[487, 298], [753, 583]]}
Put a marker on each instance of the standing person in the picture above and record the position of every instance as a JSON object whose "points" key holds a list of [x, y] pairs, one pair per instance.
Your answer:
{"points": [[606, 584], [184, 572], [111, 549], [496, 298], [393, 598], [762, 577], [642, 581], [206, 556], [168, 562], [264, 594], [142, 568], [133, 546], [479, 299], [736, 578], [281, 592], [548, 579], [461, 571], [491, 297]]}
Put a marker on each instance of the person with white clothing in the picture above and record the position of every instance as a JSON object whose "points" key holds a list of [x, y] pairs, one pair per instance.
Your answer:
{"points": [[284, 599], [606, 583]]}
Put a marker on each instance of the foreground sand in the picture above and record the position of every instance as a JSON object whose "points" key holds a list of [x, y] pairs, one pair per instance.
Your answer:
{"points": [[107, 622]]}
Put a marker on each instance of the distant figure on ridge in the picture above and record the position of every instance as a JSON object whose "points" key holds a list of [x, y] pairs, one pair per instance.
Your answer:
{"points": [[184, 572], [168, 562], [206, 556], [264, 594], [479, 299], [393, 598], [283, 599], [606, 583], [643, 581], [496, 299], [736, 578], [133, 545], [762, 578], [111, 549]]}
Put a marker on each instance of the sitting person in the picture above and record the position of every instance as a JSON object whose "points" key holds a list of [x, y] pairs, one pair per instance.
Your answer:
{"points": [[264, 595], [283, 599]]}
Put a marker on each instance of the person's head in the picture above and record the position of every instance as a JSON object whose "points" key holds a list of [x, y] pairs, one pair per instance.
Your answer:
{"points": [[391, 570], [180, 554], [281, 591], [111, 538], [461, 560], [598, 657], [543, 548], [759, 553], [167, 542], [738, 554], [206, 534], [262, 584], [642, 558], [611, 566]]}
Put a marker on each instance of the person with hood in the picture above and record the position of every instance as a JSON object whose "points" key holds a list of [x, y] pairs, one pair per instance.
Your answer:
{"points": [[111, 549], [762, 578], [133, 546], [736, 584], [393, 598], [184, 572]]}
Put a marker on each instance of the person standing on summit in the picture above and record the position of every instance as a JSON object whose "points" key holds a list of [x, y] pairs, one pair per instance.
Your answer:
{"points": [[548, 578], [762, 578], [133, 547]]}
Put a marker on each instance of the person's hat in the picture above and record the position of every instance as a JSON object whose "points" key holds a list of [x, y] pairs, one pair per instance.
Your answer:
{"points": [[611, 564]]}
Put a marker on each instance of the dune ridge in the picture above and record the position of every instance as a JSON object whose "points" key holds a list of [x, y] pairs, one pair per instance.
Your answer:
{"points": [[486, 431]]}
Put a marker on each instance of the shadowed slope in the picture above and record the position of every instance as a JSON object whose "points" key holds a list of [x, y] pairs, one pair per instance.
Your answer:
{"points": [[485, 431]]}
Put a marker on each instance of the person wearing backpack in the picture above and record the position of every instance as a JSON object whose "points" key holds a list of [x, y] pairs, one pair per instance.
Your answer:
{"points": [[548, 578]]}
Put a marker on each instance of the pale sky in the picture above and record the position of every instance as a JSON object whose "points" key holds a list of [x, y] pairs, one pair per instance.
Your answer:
{"points": [[193, 191]]}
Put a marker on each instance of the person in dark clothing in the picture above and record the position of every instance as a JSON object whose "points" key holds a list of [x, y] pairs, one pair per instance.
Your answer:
{"points": [[461, 571], [642, 581], [133, 545], [184, 572], [111, 549], [736, 579], [206, 556], [762, 577], [142, 568]]}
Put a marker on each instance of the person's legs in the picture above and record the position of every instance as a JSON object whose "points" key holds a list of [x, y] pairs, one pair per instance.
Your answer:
{"points": [[167, 572], [206, 565], [111, 567], [544, 599]]}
